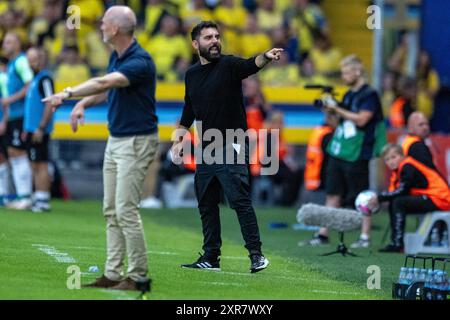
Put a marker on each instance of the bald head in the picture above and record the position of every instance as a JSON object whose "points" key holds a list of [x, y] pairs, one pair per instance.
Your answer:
{"points": [[418, 125], [118, 21]]}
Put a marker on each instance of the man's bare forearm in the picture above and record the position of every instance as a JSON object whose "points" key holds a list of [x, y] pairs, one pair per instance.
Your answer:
{"points": [[93, 100], [19, 95], [91, 87]]}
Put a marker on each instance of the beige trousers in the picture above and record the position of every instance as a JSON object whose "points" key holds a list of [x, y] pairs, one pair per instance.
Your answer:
{"points": [[125, 165]]}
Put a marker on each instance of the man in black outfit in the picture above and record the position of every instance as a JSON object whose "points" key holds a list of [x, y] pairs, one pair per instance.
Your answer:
{"points": [[214, 98]]}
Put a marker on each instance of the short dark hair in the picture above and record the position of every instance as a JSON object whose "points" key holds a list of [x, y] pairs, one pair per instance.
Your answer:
{"points": [[195, 33]]}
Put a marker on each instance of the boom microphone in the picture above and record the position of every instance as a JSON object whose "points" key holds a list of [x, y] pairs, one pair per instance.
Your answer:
{"points": [[341, 220]]}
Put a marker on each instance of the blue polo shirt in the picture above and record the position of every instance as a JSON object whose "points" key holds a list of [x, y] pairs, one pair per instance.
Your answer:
{"points": [[131, 110]]}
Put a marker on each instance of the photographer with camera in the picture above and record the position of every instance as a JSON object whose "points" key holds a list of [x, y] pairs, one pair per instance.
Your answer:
{"points": [[358, 137]]}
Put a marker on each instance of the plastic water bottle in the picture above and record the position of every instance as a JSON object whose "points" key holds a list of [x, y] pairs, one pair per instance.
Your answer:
{"points": [[435, 237], [402, 275], [429, 284], [440, 285], [422, 275], [444, 240], [416, 274], [429, 280], [438, 279], [409, 276]]}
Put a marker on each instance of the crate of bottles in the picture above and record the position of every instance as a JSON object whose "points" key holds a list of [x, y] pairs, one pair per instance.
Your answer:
{"points": [[437, 286], [426, 283]]}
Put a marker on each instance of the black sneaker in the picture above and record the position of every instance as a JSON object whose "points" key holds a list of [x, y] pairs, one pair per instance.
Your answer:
{"points": [[203, 263], [391, 248], [258, 263]]}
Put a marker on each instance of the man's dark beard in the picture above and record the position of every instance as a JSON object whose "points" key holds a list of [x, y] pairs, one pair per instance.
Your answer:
{"points": [[205, 53]]}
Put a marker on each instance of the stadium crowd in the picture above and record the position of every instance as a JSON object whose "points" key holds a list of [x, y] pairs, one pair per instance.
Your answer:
{"points": [[248, 27]]}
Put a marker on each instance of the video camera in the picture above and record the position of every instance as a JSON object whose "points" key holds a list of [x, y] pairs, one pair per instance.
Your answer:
{"points": [[328, 95]]}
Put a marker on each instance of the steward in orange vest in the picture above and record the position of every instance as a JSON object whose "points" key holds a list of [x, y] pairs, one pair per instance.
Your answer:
{"points": [[401, 108], [414, 188], [316, 157], [415, 147]]}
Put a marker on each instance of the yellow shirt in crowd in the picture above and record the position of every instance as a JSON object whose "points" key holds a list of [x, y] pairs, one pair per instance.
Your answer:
{"points": [[165, 50], [67, 75]]}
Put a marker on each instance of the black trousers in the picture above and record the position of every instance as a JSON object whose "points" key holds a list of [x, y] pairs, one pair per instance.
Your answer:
{"points": [[399, 207], [210, 180]]}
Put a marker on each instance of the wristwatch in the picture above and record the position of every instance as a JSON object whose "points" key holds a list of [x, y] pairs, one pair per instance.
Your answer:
{"points": [[266, 57], [69, 91]]}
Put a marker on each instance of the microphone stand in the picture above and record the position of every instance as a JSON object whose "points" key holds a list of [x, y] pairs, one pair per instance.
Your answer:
{"points": [[341, 248]]}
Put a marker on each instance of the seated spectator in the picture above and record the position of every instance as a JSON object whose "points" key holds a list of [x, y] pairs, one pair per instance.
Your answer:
{"points": [[308, 74], [307, 21], [428, 84], [231, 18], [398, 62], [71, 71], [404, 104], [63, 38], [253, 40], [91, 12], [43, 26], [388, 91], [155, 10], [12, 20], [193, 13], [281, 73], [281, 39], [268, 17], [414, 188], [326, 58], [169, 50]]}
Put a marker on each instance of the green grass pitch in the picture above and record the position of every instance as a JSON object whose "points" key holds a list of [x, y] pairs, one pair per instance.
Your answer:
{"points": [[37, 249]]}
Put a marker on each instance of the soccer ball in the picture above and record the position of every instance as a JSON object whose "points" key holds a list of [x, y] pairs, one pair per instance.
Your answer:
{"points": [[362, 203]]}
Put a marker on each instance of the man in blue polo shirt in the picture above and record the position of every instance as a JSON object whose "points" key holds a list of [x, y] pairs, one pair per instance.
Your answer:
{"points": [[129, 88], [19, 77], [38, 125]]}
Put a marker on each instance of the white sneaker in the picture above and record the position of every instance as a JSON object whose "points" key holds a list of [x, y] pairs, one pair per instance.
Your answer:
{"points": [[40, 206], [361, 243], [20, 204], [151, 203]]}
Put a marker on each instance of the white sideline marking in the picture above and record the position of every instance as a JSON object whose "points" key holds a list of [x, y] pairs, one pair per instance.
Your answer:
{"points": [[279, 277], [223, 283], [335, 292], [61, 257], [236, 258], [237, 273], [166, 253]]}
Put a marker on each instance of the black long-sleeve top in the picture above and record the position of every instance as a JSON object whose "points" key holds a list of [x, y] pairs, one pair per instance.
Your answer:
{"points": [[214, 93], [410, 177]]}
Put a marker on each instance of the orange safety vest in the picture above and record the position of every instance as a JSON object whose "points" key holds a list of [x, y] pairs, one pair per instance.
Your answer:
{"points": [[255, 119], [260, 149], [438, 190], [314, 157], [407, 143], [396, 115]]}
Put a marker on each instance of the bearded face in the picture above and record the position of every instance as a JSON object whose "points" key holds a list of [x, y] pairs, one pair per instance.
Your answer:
{"points": [[210, 52], [208, 44]]}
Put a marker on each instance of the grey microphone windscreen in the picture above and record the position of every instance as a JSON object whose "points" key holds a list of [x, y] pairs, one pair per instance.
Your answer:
{"points": [[327, 217]]}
